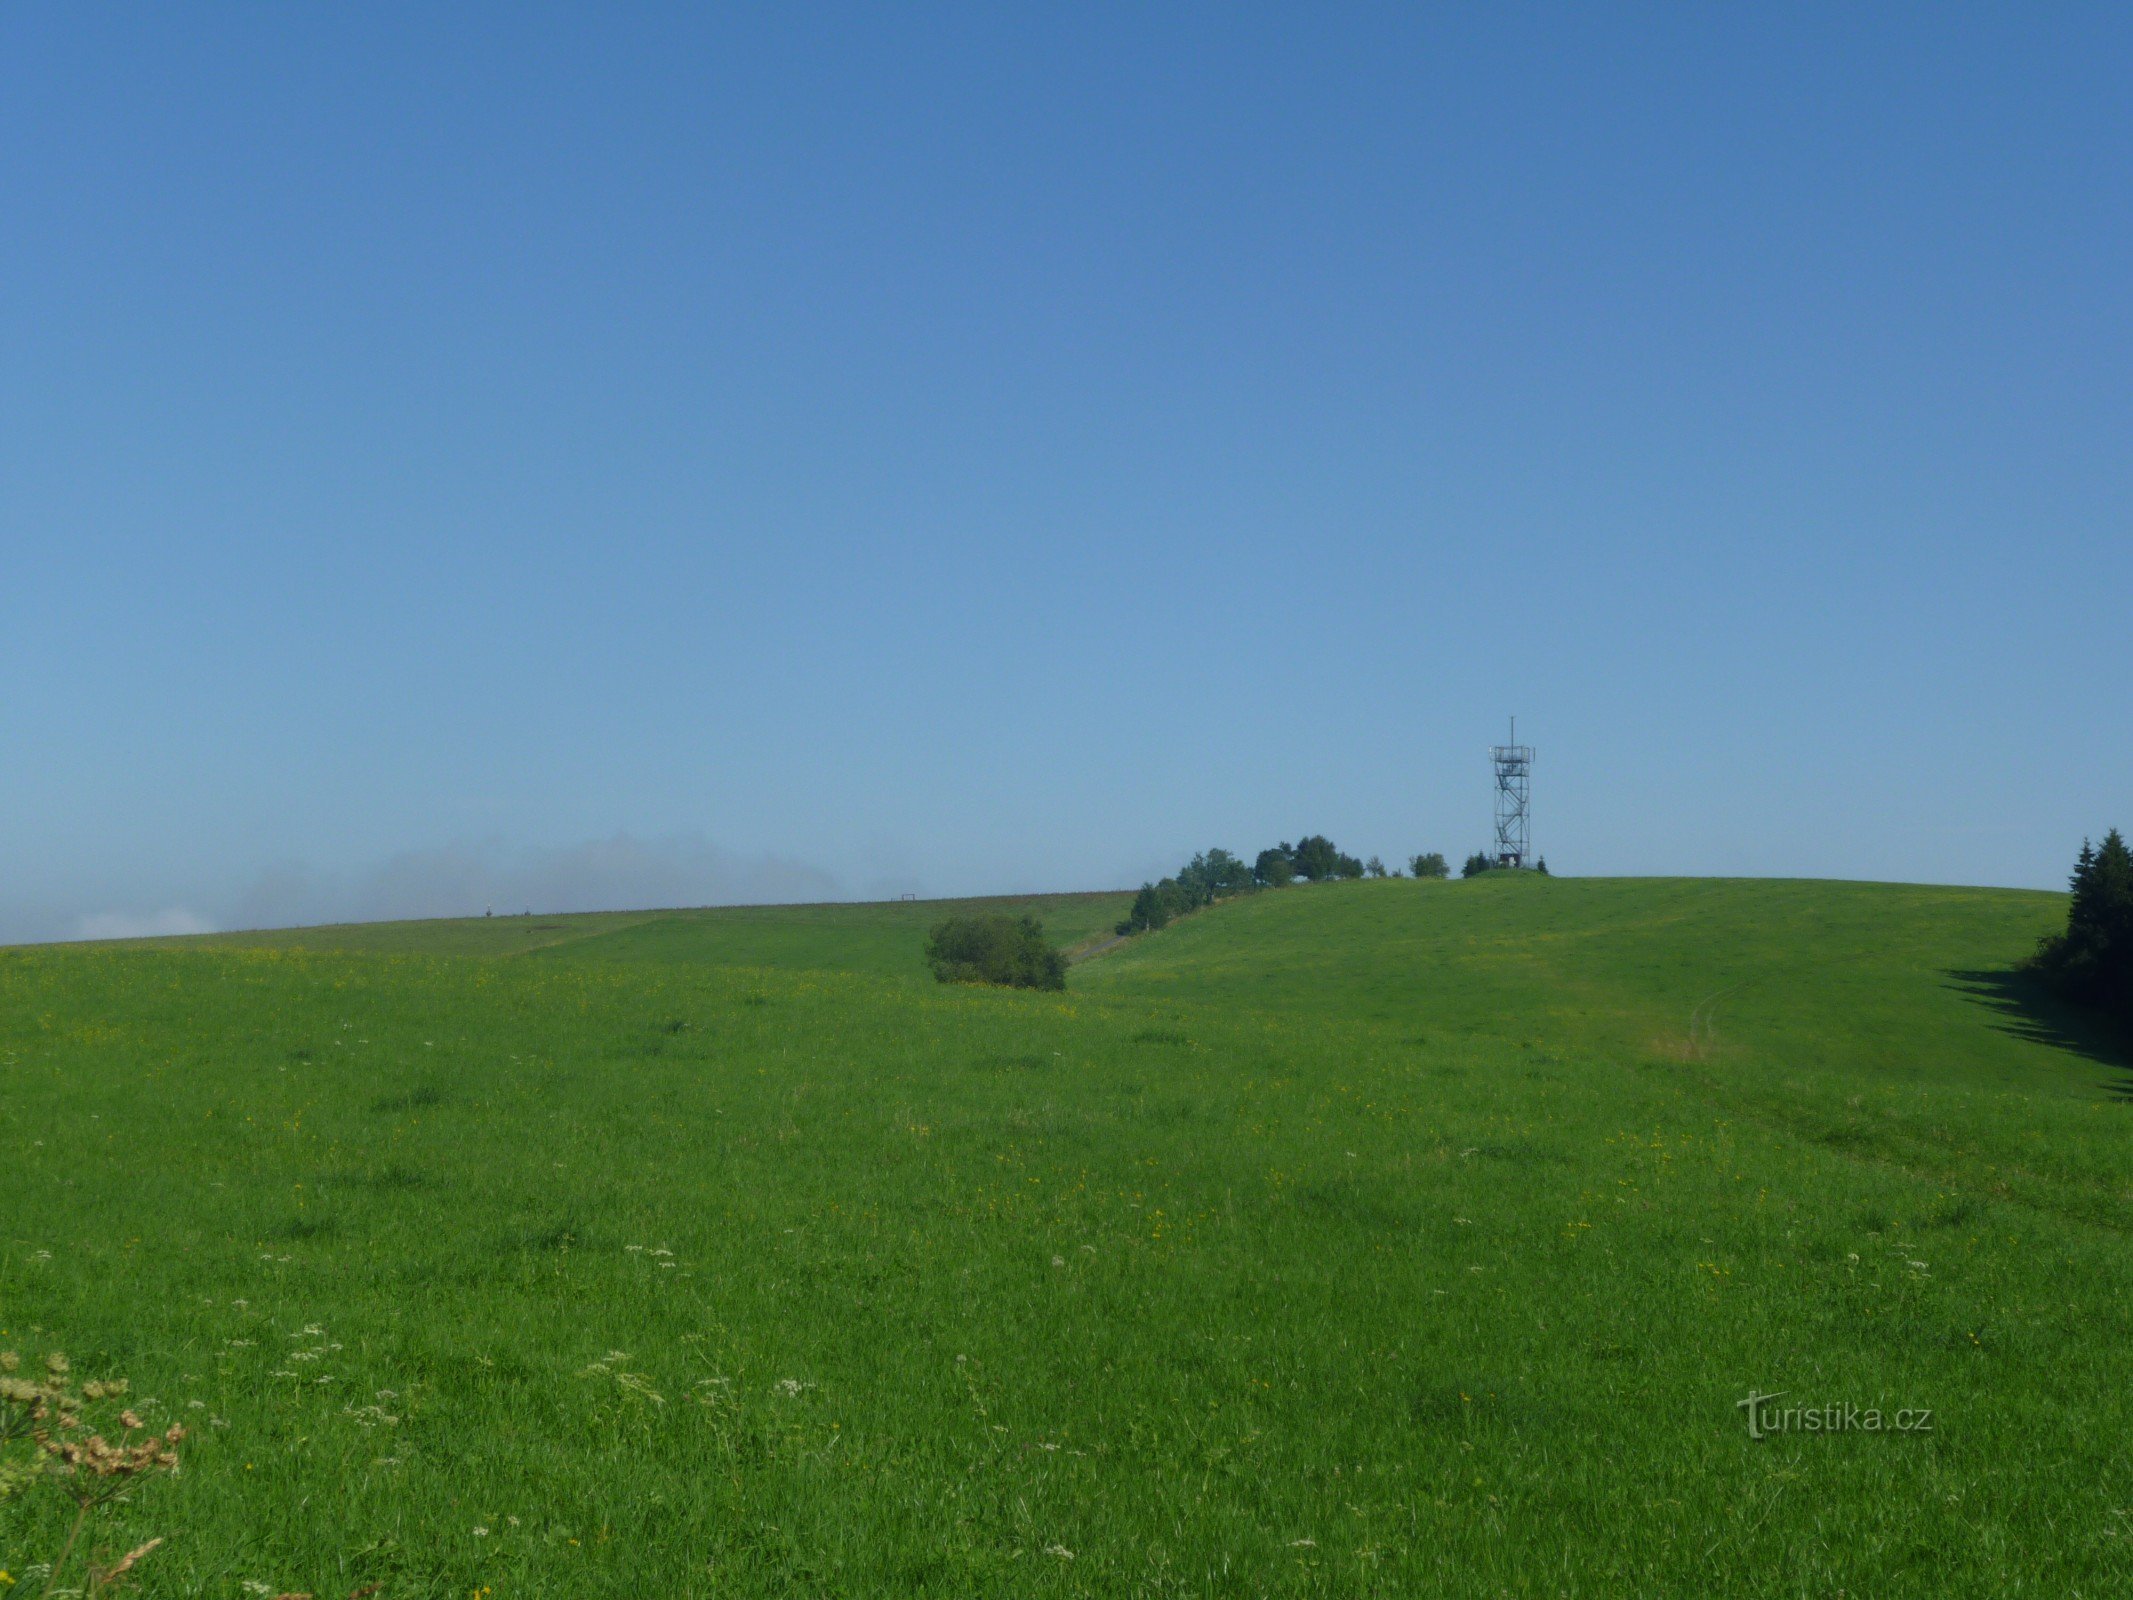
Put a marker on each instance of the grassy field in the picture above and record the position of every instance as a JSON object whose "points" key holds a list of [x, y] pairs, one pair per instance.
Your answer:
{"points": [[1383, 1238], [883, 937]]}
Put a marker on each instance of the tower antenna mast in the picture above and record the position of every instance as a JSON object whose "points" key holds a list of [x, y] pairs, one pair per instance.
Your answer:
{"points": [[1513, 764]]}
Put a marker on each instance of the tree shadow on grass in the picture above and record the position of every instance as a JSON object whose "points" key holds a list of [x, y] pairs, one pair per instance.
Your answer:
{"points": [[2028, 1009]]}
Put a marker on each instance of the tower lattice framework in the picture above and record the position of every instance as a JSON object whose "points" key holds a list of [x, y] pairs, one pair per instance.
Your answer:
{"points": [[1514, 801]]}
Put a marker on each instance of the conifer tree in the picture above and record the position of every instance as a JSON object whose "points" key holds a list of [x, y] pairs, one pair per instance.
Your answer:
{"points": [[2093, 960]]}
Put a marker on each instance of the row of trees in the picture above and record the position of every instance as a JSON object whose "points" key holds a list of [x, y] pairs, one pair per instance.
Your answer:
{"points": [[1216, 875], [1478, 863], [1313, 858], [2092, 961], [1209, 876]]}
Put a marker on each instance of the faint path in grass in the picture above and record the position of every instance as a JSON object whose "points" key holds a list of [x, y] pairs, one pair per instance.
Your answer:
{"points": [[1703, 1029], [1104, 944], [1089, 952]]}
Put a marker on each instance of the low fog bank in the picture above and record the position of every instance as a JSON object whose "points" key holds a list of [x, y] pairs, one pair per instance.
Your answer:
{"points": [[462, 880]]}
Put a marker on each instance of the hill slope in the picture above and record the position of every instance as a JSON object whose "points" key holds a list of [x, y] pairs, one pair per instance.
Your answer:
{"points": [[1385, 1238], [884, 937]]}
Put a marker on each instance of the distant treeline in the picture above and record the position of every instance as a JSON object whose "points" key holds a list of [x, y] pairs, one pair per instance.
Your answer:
{"points": [[1217, 875], [2092, 961], [1477, 864]]}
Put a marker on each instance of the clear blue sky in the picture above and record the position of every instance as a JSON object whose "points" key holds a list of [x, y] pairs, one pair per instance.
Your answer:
{"points": [[450, 452]]}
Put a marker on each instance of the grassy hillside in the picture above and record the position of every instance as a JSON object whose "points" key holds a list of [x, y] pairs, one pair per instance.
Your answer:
{"points": [[883, 937], [1385, 1238]]}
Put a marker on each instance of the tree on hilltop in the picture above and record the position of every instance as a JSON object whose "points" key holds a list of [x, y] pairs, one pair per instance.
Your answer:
{"points": [[1319, 860], [1275, 868], [1214, 875]]}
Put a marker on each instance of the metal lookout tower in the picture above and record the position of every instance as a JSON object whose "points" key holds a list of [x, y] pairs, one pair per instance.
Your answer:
{"points": [[1514, 791]]}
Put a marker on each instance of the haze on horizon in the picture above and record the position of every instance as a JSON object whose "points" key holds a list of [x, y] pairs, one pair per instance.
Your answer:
{"points": [[613, 457]]}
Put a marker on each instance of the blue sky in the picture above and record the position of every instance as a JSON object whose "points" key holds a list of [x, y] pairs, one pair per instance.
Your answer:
{"points": [[608, 454]]}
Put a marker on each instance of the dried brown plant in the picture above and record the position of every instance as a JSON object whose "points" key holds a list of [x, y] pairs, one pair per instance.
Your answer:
{"points": [[69, 1453]]}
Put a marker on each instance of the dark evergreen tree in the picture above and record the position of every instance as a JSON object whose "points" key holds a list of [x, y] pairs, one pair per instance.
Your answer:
{"points": [[2092, 961], [1431, 865]]}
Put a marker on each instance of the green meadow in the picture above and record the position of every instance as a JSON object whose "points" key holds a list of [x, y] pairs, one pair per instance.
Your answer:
{"points": [[1385, 1238]]}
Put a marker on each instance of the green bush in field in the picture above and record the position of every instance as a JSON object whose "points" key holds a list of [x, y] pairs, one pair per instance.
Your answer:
{"points": [[1429, 865], [995, 949]]}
